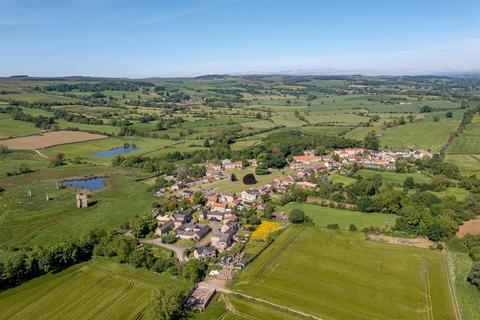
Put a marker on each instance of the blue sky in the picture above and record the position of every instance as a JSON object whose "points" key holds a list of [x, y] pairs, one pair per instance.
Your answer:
{"points": [[183, 38]]}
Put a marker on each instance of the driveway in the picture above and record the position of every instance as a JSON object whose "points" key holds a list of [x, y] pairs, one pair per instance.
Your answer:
{"points": [[179, 251]]}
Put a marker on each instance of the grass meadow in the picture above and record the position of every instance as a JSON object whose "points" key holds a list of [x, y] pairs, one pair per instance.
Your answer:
{"points": [[325, 215], [394, 177], [421, 135], [340, 275], [30, 221], [99, 289], [10, 128]]}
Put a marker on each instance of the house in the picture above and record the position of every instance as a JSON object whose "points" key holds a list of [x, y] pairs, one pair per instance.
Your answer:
{"points": [[307, 159], [227, 197], [178, 186], [181, 217], [212, 200], [238, 164], [306, 185], [165, 228], [221, 240], [211, 166], [192, 231], [221, 207], [215, 215], [228, 164], [252, 162], [249, 195], [162, 217], [205, 253]]}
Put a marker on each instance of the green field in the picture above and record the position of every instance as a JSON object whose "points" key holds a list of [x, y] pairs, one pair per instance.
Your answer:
{"points": [[325, 215], [468, 142], [86, 150], [421, 135], [15, 128], [11, 161], [89, 127], [241, 308], [467, 163], [339, 275], [28, 221], [467, 295], [98, 289], [393, 177]]}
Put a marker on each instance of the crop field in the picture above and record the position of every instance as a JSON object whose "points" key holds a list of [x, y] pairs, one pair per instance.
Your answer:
{"points": [[325, 215], [49, 139], [235, 307], [468, 142], [394, 177], [88, 127], [98, 289], [14, 128], [337, 118], [467, 163], [37, 221], [421, 135], [339, 275], [287, 119]]}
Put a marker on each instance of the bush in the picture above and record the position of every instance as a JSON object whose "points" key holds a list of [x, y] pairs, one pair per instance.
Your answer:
{"points": [[170, 237], [296, 216], [474, 275], [333, 226], [233, 178], [249, 179], [352, 227], [262, 170]]}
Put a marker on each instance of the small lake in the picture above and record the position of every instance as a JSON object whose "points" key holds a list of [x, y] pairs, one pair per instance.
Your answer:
{"points": [[115, 151], [90, 184]]}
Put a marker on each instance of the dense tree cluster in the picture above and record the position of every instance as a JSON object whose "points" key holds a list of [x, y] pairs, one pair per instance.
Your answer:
{"points": [[99, 86]]}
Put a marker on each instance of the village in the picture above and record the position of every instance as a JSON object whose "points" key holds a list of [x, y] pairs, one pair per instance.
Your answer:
{"points": [[216, 226]]}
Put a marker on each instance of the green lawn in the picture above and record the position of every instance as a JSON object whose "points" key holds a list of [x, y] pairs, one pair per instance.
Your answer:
{"points": [[99, 289], [30, 221], [393, 177], [339, 275], [339, 178], [467, 295], [325, 215], [15, 128], [239, 186]]}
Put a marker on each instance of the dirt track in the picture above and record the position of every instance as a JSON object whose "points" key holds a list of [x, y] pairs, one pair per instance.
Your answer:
{"points": [[49, 139], [469, 227]]}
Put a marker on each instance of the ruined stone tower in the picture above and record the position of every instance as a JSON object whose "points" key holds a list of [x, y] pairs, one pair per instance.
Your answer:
{"points": [[82, 201]]}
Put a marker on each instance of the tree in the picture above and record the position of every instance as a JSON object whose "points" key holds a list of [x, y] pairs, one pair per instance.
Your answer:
{"points": [[262, 169], [474, 275], [449, 114], [296, 216], [143, 225], [249, 179], [166, 304], [59, 160], [409, 183], [371, 141], [233, 178], [425, 109], [198, 198], [170, 237], [352, 227], [206, 143], [194, 270]]}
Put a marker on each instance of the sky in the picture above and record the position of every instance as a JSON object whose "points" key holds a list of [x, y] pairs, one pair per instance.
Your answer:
{"points": [[167, 38]]}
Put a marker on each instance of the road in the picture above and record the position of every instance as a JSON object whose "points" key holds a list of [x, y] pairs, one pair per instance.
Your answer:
{"points": [[40, 154], [179, 251]]}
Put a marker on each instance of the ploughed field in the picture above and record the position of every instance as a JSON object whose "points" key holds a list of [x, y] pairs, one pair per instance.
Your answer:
{"points": [[49, 139], [98, 289], [339, 275]]}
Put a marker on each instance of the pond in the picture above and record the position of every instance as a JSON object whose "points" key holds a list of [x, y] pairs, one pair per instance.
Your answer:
{"points": [[115, 151], [91, 184]]}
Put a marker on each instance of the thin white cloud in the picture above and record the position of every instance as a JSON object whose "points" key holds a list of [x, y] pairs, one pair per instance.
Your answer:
{"points": [[177, 14]]}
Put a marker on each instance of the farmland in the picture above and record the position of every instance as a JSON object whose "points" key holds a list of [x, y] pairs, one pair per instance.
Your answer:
{"points": [[99, 288], [13, 128], [49, 139], [400, 282]]}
